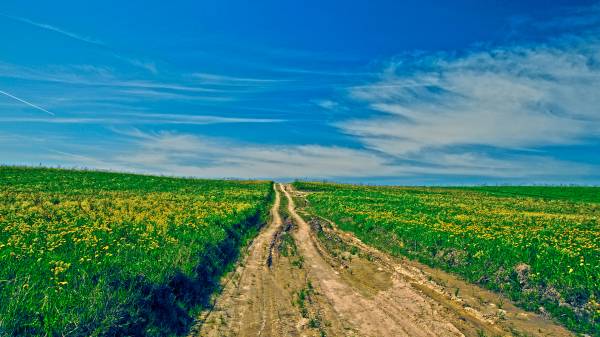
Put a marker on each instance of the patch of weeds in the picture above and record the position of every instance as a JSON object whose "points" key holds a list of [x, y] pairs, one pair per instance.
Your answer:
{"points": [[501, 314], [303, 299], [301, 302], [298, 262], [287, 246], [518, 333]]}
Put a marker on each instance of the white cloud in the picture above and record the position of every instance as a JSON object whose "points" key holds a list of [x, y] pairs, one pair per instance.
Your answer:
{"points": [[185, 154], [191, 155], [510, 98], [327, 104]]}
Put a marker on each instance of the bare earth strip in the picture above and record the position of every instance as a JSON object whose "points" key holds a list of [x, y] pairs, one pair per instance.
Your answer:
{"points": [[319, 289]]}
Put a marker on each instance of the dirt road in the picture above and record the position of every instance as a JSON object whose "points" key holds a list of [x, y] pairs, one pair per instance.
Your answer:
{"points": [[302, 278]]}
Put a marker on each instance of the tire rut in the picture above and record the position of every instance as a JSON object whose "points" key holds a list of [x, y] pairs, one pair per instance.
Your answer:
{"points": [[293, 282], [259, 297]]}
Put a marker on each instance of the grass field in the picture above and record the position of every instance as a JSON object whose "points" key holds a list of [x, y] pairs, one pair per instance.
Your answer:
{"points": [[538, 245], [93, 254]]}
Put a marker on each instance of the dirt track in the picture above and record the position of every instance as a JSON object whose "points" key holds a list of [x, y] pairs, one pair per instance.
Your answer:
{"points": [[313, 280]]}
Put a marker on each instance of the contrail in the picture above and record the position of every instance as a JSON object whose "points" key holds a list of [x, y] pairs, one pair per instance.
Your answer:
{"points": [[24, 101], [54, 29]]}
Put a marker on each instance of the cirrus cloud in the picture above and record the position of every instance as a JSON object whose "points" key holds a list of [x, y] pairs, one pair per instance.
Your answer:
{"points": [[511, 98]]}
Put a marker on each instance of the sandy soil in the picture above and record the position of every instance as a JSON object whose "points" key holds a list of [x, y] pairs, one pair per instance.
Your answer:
{"points": [[301, 279]]}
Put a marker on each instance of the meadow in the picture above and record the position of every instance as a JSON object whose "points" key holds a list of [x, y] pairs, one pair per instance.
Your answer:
{"points": [[103, 254], [540, 246]]}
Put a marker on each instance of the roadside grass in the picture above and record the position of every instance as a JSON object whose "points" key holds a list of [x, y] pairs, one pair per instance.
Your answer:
{"points": [[86, 253], [539, 246]]}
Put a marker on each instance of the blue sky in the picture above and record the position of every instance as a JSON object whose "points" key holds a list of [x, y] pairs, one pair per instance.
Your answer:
{"points": [[412, 92]]}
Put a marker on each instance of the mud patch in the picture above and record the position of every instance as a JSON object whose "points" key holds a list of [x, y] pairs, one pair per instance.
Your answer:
{"points": [[366, 277], [354, 265]]}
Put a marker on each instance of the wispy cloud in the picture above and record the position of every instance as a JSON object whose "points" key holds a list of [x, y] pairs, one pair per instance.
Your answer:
{"points": [[512, 97], [91, 75], [147, 65], [57, 30], [161, 94], [185, 154], [141, 119], [26, 102], [226, 79], [327, 104], [201, 119]]}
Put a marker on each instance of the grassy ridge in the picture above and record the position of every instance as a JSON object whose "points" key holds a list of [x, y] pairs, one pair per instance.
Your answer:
{"points": [[542, 251], [99, 254]]}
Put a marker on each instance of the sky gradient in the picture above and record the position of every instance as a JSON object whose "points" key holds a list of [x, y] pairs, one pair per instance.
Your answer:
{"points": [[412, 92]]}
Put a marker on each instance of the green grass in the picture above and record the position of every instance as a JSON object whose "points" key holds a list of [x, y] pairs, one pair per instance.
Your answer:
{"points": [[538, 245], [567, 193], [86, 253]]}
